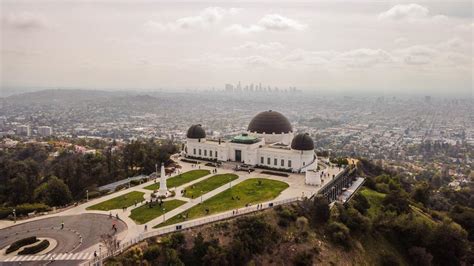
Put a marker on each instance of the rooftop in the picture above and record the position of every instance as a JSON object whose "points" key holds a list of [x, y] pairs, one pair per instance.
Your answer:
{"points": [[244, 138]]}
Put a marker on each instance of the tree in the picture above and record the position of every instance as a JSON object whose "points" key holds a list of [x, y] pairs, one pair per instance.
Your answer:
{"points": [[396, 201], [360, 203], [421, 193], [317, 210], [420, 256], [339, 233], [448, 243], [303, 258], [54, 192], [152, 253]]}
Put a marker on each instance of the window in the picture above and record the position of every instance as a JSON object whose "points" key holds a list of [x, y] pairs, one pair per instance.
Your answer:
{"points": [[289, 163], [216, 153], [194, 151], [268, 160], [261, 160], [210, 153], [199, 151], [282, 162], [205, 152], [275, 161], [304, 163]]}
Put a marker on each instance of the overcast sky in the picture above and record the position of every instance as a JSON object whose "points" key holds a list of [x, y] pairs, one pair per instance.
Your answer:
{"points": [[328, 46]]}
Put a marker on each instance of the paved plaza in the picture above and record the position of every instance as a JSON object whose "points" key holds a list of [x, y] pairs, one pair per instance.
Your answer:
{"points": [[83, 227]]}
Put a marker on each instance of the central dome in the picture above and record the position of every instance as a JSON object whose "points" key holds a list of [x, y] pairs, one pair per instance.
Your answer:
{"points": [[270, 122]]}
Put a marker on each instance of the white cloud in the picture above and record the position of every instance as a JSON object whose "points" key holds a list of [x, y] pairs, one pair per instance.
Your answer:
{"points": [[280, 23], [400, 40], [271, 22], [466, 27], [364, 58], [409, 11], [237, 28], [271, 46], [24, 21], [417, 55], [207, 17]]}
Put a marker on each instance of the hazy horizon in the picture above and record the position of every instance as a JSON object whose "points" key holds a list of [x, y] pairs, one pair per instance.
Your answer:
{"points": [[327, 47]]}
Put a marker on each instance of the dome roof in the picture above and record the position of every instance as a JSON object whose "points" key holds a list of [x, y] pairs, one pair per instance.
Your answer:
{"points": [[302, 142], [196, 132], [270, 122]]}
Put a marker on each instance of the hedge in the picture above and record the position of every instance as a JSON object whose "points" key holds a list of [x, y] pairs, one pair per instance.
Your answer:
{"points": [[21, 243], [275, 173], [35, 249], [23, 209]]}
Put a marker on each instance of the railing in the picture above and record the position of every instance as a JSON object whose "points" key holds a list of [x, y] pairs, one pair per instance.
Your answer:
{"points": [[185, 225]]}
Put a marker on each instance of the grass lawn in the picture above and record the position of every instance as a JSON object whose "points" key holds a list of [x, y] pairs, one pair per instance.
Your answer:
{"points": [[181, 179], [144, 213], [209, 184], [249, 191], [119, 202], [375, 199]]}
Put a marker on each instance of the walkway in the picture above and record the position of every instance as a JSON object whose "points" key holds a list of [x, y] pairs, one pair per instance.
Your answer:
{"points": [[297, 189]]}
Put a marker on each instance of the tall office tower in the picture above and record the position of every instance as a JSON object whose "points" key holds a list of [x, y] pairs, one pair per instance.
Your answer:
{"points": [[229, 87], [23, 130], [45, 131]]}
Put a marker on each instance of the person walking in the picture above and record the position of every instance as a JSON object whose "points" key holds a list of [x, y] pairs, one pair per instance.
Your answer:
{"points": [[62, 225]]}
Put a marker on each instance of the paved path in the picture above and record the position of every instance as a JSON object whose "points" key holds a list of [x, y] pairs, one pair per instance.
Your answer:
{"points": [[297, 188]]}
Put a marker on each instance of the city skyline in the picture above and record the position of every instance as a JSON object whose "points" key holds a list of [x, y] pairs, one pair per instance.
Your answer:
{"points": [[399, 47]]}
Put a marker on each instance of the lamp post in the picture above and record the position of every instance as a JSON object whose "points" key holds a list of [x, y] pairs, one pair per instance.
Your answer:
{"points": [[14, 215], [164, 213], [129, 182], [100, 254], [87, 195]]}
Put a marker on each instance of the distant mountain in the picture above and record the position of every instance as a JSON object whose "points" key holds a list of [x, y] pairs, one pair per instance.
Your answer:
{"points": [[63, 96]]}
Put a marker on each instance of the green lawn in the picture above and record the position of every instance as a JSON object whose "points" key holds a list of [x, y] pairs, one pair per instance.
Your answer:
{"points": [[144, 213], [181, 179], [209, 184], [375, 199], [119, 202], [249, 191]]}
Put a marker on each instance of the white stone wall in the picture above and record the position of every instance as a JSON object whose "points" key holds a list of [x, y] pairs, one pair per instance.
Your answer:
{"points": [[251, 154], [298, 159]]}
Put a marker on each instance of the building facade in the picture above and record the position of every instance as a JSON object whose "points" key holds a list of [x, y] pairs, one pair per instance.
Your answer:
{"points": [[45, 131], [269, 142]]}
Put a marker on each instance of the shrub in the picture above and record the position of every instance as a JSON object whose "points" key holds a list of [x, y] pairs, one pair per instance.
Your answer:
{"points": [[275, 173], [20, 243], [35, 249], [339, 233], [420, 256], [303, 258], [361, 203], [388, 259], [94, 194], [151, 253], [287, 214], [301, 223], [26, 208], [4, 212]]}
